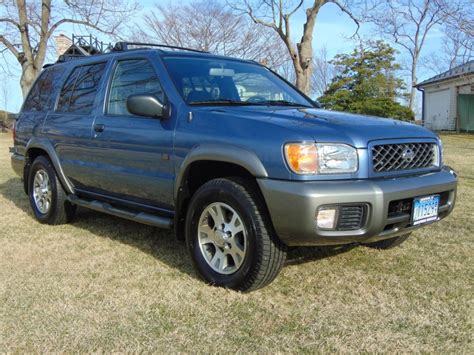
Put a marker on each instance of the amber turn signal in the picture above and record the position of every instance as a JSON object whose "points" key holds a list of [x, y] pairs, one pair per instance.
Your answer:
{"points": [[302, 157]]}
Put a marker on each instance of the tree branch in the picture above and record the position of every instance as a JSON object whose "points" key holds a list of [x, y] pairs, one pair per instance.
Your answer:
{"points": [[25, 38], [344, 9], [77, 22], [9, 20], [10, 47]]}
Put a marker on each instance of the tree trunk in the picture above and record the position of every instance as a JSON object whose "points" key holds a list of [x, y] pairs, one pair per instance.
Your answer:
{"points": [[28, 76], [303, 82], [412, 99], [413, 96]]}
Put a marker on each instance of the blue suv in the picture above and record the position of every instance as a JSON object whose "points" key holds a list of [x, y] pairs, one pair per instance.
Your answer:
{"points": [[233, 157]]}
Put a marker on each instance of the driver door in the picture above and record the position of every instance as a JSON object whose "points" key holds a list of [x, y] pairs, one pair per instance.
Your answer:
{"points": [[133, 153]]}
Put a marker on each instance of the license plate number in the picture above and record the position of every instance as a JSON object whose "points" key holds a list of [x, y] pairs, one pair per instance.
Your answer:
{"points": [[425, 209]]}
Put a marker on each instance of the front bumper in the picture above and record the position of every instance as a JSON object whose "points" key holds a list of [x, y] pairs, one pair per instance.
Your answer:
{"points": [[293, 205]]}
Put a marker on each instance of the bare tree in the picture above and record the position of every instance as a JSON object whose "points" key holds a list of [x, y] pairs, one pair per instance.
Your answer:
{"points": [[407, 23], [458, 47], [26, 27], [458, 44], [277, 15], [460, 16], [323, 72], [212, 26]]}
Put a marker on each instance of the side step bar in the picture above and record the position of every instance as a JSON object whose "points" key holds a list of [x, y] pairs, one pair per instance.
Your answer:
{"points": [[141, 217]]}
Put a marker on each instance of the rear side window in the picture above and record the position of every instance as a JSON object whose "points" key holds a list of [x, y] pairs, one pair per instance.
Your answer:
{"points": [[132, 77], [41, 96], [79, 90]]}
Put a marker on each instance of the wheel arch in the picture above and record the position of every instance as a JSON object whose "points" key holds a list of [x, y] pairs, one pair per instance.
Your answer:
{"points": [[208, 162], [37, 147]]}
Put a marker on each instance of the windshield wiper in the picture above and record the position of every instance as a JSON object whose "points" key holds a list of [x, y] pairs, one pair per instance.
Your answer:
{"points": [[281, 103], [220, 102], [247, 103]]}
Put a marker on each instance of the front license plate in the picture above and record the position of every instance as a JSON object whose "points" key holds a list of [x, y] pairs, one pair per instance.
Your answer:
{"points": [[425, 209]]}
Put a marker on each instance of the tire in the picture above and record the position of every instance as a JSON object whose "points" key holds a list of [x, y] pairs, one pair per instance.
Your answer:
{"points": [[388, 243], [250, 255], [44, 185]]}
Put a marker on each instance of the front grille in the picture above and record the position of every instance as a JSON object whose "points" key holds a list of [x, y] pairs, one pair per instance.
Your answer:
{"points": [[403, 156], [351, 217]]}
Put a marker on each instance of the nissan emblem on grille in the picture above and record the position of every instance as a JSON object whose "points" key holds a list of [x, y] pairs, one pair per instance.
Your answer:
{"points": [[403, 156], [408, 155]]}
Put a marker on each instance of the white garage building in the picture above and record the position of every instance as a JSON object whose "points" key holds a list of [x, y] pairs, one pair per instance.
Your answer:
{"points": [[448, 99]]}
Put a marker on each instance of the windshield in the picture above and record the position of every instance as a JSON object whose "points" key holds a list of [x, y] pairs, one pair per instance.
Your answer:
{"points": [[210, 81]]}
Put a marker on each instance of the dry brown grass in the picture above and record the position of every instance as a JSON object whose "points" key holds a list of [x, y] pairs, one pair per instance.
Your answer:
{"points": [[106, 284]]}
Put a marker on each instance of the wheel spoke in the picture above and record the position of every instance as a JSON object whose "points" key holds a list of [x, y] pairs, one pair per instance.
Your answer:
{"points": [[206, 232], [218, 260], [235, 224], [217, 215], [46, 180], [48, 200], [204, 228], [237, 255], [237, 230]]}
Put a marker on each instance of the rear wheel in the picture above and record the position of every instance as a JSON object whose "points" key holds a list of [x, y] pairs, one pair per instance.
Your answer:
{"points": [[388, 243], [47, 197], [229, 236]]}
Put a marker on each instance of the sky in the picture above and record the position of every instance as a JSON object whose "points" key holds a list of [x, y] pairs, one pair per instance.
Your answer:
{"points": [[333, 31]]}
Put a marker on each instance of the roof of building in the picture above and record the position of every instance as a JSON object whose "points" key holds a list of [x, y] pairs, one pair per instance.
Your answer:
{"points": [[463, 69]]}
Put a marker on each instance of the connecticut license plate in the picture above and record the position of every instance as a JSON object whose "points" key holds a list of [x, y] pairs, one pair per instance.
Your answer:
{"points": [[425, 209]]}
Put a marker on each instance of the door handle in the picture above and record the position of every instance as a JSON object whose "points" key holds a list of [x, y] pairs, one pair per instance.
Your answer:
{"points": [[99, 127]]}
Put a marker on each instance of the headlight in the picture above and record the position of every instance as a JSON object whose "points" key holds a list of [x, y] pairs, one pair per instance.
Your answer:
{"points": [[321, 158]]}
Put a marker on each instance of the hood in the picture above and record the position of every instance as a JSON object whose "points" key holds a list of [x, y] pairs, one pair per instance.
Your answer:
{"points": [[328, 126]]}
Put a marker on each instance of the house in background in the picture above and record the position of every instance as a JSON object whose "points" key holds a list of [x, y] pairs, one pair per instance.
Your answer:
{"points": [[79, 46], [448, 99]]}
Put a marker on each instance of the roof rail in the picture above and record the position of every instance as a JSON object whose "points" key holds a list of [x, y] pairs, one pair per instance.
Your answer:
{"points": [[125, 46]]}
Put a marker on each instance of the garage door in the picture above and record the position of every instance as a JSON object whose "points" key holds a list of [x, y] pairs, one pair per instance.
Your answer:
{"points": [[437, 110], [466, 112]]}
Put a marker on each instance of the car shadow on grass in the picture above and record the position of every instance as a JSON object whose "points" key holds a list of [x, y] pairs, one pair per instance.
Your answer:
{"points": [[159, 243]]}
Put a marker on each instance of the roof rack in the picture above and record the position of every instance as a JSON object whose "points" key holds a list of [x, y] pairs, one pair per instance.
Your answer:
{"points": [[84, 46], [125, 46], [90, 45]]}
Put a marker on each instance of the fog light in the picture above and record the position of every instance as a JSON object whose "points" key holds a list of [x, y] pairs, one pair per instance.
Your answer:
{"points": [[326, 218]]}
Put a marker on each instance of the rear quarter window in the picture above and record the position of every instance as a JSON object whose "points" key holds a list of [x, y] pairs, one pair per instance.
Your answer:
{"points": [[43, 93], [79, 91]]}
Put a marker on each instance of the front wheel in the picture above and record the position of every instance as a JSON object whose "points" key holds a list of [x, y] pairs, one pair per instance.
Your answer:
{"points": [[230, 237]]}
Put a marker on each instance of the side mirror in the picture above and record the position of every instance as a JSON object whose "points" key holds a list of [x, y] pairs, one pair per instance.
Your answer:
{"points": [[146, 105]]}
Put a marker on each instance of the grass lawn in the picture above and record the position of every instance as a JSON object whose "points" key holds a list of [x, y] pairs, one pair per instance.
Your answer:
{"points": [[107, 284]]}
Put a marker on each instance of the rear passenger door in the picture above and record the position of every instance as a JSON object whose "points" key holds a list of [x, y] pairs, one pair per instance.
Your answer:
{"points": [[69, 127], [133, 153], [37, 106]]}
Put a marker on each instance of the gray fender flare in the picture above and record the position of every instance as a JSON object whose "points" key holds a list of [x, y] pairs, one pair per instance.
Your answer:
{"points": [[221, 153], [46, 145]]}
